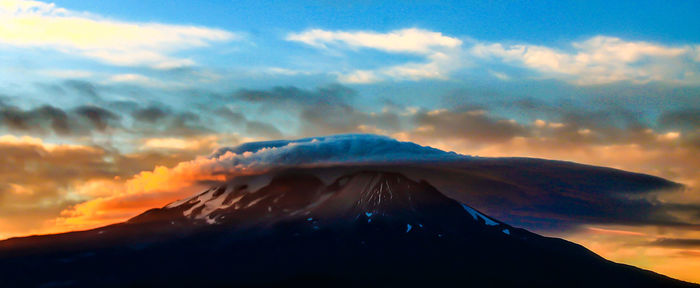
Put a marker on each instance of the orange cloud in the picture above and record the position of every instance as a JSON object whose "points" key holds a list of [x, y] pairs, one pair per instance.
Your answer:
{"points": [[171, 143], [633, 245], [616, 232], [145, 190], [126, 199], [47, 188]]}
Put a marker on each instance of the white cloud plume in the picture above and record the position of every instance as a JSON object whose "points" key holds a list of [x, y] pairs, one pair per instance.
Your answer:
{"points": [[349, 148], [43, 25]]}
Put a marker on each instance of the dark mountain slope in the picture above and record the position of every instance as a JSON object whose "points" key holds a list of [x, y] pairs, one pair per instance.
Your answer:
{"points": [[364, 229]]}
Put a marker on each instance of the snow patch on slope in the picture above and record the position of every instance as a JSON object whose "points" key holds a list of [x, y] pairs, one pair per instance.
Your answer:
{"points": [[206, 203], [476, 215]]}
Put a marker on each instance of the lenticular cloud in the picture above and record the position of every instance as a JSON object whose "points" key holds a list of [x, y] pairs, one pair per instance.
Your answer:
{"points": [[336, 149]]}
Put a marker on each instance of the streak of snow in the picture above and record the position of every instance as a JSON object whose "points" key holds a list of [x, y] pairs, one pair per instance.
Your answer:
{"points": [[178, 203], [207, 203], [202, 198], [476, 215], [255, 202], [234, 201], [212, 205], [188, 212]]}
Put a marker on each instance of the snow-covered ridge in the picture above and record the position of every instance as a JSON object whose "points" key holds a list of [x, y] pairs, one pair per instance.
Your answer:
{"points": [[372, 195], [207, 202]]}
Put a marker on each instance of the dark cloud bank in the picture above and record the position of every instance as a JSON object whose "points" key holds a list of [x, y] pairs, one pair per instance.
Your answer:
{"points": [[44, 119], [676, 242], [334, 109]]}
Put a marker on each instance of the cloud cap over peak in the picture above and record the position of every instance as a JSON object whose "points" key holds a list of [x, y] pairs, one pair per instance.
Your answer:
{"points": [[344, 148]]}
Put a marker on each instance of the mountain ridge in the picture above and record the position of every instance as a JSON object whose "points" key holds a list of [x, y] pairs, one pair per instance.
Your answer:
{"points": [[365, 228]]}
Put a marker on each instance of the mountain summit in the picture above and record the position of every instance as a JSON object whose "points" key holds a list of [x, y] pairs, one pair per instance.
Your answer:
{"points": [[370, 228], [379, 196]]}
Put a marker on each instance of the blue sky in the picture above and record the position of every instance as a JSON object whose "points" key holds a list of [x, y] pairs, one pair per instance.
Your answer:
{"points": [[638, 59], [540, 22], [260, 31]]}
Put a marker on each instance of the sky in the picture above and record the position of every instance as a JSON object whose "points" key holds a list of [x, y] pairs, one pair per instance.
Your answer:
{"points": [[108, 108]]}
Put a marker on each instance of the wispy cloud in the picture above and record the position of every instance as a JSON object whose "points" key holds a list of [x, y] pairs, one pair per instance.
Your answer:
{"points": [[68, 73], [138, 79], [44, 25], [676, 242], [411, 40], [438, 50], [599, 60], [615, 231]]}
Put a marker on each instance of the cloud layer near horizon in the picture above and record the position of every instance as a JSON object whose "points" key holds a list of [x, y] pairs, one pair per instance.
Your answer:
{"points": [[609, 135], [153, 188]]}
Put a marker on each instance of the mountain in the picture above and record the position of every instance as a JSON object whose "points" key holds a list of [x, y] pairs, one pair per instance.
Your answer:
{"points": [[369, 228]]}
